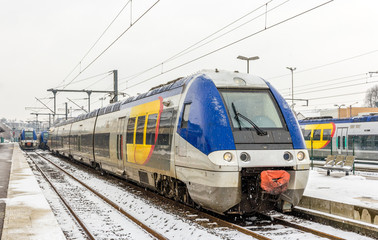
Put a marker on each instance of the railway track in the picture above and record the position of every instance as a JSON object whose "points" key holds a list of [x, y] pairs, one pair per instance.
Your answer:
{"points": [[88, 207], [255, 230]]}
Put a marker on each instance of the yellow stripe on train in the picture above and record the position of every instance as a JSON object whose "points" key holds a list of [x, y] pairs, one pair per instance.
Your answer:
{"points": [[321, 129], [141, 153]]}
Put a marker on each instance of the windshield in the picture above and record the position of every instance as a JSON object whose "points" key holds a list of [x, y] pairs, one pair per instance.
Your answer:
{"points": [[45, 135], [28, 135], [258, 106]]}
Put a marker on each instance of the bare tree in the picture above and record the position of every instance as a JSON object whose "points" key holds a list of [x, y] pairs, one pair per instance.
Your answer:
{"points": [[371, 97]]}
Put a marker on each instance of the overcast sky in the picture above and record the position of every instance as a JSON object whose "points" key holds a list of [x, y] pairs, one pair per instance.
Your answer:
{"points": [[43, 41]]}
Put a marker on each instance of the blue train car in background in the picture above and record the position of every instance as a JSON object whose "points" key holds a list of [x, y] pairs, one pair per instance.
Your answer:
{"points": [[43, 137], [28, 139]]}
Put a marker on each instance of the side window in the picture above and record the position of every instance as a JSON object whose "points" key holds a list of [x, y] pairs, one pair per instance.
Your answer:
{"points": [[151, 129], [185, 115], [316, 136], [140, 130], [338, 142], [165, 128], [307, 134], [327, 134], [130, 131], [344, 142]]}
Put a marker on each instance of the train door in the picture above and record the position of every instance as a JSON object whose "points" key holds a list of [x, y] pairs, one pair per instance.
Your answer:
{"points": [[181, 143], [342, 140], [120, 142]]}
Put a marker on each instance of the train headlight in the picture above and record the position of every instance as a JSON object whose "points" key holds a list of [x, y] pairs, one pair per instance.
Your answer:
{"points": [[245, 157], [288, 156], [227, 157], [300, 155]]}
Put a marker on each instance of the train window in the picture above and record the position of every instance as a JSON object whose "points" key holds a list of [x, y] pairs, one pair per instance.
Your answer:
{"points": [[130, 131], [28, 135], [165, 128], [316, 135], [151, 129], [338, 142], [140, 130], [101, 144], [344, 142], [185, 115], [307, 134], [327, 134]]}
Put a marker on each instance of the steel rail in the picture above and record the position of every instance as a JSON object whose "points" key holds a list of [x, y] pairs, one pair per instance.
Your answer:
{"points": [[77, 218], [299, 227], [111, 203], [219, 221], [224, 223]]}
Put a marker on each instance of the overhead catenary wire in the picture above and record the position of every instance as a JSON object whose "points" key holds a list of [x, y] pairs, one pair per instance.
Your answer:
{"points": [[111, 44], [91, 77], [109, 73], [327, 64], [325, 87], [233, 43], [328, 89], [193, 46], [95, 43]]}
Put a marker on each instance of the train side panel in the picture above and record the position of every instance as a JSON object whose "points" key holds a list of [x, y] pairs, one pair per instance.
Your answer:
{"points": [[81, 140]]}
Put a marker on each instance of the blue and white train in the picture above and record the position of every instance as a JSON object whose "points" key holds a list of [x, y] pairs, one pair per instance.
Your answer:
{"points": [[225, 141], [356, 136], [43, 139], [28, 139]]}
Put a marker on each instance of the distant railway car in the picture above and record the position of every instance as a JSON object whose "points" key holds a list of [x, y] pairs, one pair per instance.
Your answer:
{"points": [[347, 136], [43, 139], [226, 141], [28, 139]]}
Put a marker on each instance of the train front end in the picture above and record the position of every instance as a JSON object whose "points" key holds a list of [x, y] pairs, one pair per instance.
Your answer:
{"points": [[256, 155], [28, 139]]}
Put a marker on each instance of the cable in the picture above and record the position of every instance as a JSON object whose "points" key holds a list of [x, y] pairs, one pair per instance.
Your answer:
{"points": [[90, 49], [233, 43], [327, 89], [81, 80], [327, 64], [106, 30], [107, 48], [341, 95], [327, 86], [191, 48], [99, 80]]}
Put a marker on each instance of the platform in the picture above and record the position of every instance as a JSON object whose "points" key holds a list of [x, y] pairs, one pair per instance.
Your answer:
{"points": [[28, 215], [354, 197]]}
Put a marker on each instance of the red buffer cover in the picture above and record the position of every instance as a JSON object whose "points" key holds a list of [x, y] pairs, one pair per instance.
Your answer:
{"points": [[274, 181]]}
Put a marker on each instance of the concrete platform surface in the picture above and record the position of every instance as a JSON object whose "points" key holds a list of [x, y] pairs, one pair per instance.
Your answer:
{"points": [[354, 196], [28, 215]]}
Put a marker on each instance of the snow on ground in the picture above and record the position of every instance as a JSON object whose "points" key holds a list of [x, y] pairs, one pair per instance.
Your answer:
{"points": [[171, 225], [360, 189]]}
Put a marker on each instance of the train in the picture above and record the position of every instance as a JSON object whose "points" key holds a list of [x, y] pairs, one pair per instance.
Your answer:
{"points": [[43, 139], [224, 141], [356, 136], [28, 139]]}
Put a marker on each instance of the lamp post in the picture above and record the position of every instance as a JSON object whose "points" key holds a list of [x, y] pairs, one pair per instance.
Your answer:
{"points": [[248, 59], [339, 106], [292, 85], [350, 109]]}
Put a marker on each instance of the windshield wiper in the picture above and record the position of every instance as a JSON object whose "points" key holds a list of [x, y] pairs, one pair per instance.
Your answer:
{"points": [[237, 115]]}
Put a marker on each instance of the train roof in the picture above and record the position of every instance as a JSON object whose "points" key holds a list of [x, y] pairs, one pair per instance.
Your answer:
{"points": [[228, 79], [221, 79], [339, 120]]}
